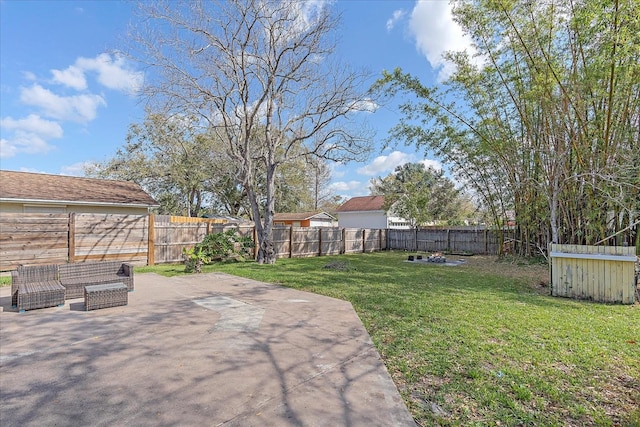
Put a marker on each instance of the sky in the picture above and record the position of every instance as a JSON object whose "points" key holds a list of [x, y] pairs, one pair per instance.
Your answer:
{"points": [[67, 98]]}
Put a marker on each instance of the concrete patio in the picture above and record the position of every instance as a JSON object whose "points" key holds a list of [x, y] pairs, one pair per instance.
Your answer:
{"points": [[208, 349]]}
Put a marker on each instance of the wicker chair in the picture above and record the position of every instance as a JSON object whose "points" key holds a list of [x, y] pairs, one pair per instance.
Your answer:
{"points": [[36, 286]]}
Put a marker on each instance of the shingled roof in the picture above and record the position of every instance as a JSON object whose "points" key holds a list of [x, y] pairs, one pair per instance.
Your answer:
{"points": [[364, 203], [28, 187], [301, 216]]}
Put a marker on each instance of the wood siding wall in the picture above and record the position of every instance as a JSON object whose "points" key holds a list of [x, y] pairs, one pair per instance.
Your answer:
{"points": [[33, 239], [100, 237], [598, 273]]}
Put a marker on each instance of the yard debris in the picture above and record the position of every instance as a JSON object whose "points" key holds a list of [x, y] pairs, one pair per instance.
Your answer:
{"points": [[338, 265], [437, 410], [437, 258]]}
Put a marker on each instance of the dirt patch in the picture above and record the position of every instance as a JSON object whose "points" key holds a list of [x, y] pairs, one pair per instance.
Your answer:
{"points": [[535, 274]]}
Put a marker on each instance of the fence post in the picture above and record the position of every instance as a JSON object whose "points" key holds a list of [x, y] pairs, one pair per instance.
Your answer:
{"points": [[319, 241], [344, 242], [549, 250], [486, 241], [291, 241], [72, 237], [151, 244], [363, 240], [256, 247]]}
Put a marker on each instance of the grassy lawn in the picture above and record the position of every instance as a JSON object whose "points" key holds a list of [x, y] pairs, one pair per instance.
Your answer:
{"points": [[482, 343]]}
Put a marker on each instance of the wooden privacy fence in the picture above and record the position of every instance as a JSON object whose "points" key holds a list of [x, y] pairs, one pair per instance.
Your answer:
{"points": [[149, 239], [170, 238], [33, 239], [598, 273], [42, 238], [458, 240]]}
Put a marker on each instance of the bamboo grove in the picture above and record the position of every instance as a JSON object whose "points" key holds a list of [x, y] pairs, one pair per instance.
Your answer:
{"points": [[542, 120]]}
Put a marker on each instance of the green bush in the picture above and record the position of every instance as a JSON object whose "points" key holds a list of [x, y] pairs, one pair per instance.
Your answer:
{"points": [[217, 247]]}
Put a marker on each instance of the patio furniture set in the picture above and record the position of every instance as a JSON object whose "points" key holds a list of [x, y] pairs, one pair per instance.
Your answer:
{"points": [[102, 284]]}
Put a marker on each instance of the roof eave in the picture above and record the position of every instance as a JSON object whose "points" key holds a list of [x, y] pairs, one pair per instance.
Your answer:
{"points": [[360, 211], [77, 203]]}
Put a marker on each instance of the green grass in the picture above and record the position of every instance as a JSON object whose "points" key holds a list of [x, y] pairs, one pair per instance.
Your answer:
{"points": [[479, 344], [5, 280]]}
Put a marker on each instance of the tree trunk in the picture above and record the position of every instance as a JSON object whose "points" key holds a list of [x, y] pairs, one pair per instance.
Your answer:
{"points": [[264, 227]]}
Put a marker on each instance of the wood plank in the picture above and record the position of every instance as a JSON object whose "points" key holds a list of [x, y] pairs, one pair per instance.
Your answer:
{"points": [[88, 239], [576, 255], [113, 254], [24, 239], [33, 228], [39, 247]]}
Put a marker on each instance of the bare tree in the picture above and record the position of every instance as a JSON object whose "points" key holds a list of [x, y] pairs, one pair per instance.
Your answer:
{"points": [[260, 76]]}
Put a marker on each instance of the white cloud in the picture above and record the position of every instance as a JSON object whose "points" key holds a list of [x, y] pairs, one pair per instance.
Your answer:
{"points": [[72, 77], [435, 32], [28, 135], [113, 72], [367, 105], [350, 188], [386, 164], [341, 186], [7, 149], [23, 142], [78, 108], [33, 124], [430, 163], [397, 15], [31, 134]]}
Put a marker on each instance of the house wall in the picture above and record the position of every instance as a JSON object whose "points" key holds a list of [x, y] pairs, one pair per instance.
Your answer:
{"points": [[362, 219], [290, 222], [8, 207], [321, 223], [306, 223], [396, 222]]}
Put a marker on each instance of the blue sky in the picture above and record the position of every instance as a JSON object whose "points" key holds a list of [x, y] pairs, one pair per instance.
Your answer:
{"points": [[67, 99]]}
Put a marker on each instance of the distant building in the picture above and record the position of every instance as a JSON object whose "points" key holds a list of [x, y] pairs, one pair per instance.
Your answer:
{"points": [[24, 192], [367, 212], [305, 219]]}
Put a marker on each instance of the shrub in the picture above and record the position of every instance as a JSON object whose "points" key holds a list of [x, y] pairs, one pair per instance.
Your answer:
{"points": [[194, 259], [217, 247]]}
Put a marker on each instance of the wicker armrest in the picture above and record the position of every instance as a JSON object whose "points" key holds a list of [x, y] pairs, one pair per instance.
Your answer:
{"points": [[15, 282], [127, 269]]}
